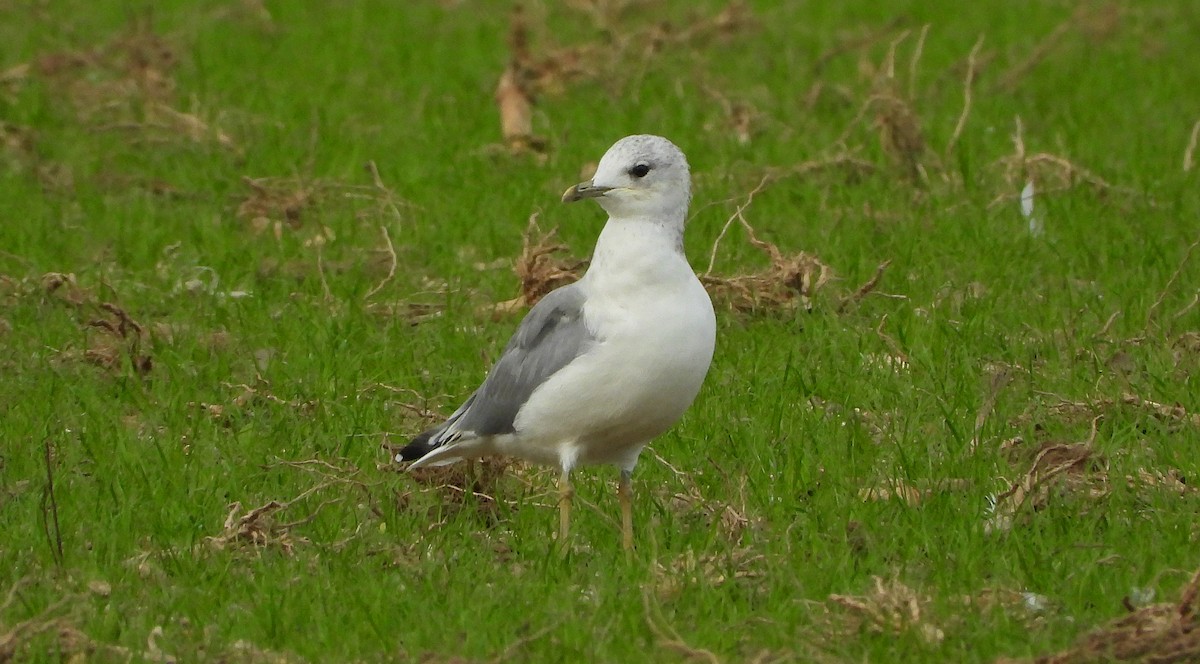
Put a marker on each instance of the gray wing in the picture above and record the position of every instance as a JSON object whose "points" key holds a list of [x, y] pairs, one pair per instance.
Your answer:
{"points": [[551, 336]]}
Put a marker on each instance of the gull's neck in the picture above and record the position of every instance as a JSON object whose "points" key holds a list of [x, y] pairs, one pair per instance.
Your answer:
{"points": [[638, 251]]}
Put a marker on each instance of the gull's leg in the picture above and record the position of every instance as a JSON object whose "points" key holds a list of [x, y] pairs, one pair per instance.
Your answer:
{"points": [[565, 493], [625, 494]]}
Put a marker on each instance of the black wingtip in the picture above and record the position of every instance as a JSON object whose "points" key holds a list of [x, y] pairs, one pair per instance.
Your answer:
{"points": [[418, 447]]}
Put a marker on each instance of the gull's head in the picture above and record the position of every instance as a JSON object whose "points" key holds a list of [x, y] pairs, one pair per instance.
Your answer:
{"points": [[639, 176]]}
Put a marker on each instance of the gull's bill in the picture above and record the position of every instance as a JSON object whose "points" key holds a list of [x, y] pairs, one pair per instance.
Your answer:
{"points": [[584, 190]]}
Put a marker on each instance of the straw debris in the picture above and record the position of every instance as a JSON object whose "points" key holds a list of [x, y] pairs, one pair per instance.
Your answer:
{"points": [[115, 339], [540, 267], [1163, 633], [1073, 467], [788, 281], [889, 608], [258, 529]]}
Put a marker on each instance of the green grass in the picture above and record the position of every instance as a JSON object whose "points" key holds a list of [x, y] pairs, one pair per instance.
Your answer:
{"points": [[739, 554]]}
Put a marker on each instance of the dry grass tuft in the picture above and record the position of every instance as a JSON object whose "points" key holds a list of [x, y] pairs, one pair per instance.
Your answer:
{"points": [[470, 486], [895, 118], [908, 493], [456, 481], [739, 118], [254, 528], [533, 73], [1050, 172], [116, 338], [18, 145], [15, 640], [82, 648], [1070, 467], [900, 133], [1164, 633], [708, 569], [787, 279], [540, 267], [516, 113], [889, 608], [258, 528], [1189, 152], [1173, 416], [127, 85], [113, 338], [526, 77], [730, 521], [250, 397], [273, 203], [65, 288], [1163, 480], [790, 280], [245, 652]]}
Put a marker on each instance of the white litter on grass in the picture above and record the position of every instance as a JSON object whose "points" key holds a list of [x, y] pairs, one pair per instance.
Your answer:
{"points": [[196, 285], [1035, 221]]}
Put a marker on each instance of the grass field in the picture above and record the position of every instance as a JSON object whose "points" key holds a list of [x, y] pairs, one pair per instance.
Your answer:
{"points": [[246, 248]]}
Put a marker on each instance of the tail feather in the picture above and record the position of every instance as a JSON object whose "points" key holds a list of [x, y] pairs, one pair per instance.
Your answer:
{"points": [[431, 439], [420, 446]]}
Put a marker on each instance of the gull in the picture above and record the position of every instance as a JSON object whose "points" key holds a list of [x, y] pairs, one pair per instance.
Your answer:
{"points": [[598, 368]]}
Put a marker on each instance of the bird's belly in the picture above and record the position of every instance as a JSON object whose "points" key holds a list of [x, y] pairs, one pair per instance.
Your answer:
{"points": [[632, 386]]}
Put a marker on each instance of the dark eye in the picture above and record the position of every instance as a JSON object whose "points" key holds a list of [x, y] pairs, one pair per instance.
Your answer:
{"points": [[640, 170]]}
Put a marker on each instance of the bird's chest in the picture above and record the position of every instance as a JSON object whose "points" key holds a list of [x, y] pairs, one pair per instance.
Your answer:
{"points": [[649, 318], [658, 341]]}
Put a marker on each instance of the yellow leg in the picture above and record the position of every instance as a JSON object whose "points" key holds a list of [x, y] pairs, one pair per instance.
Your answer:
{"points": [[625, 494], [565, 493]]}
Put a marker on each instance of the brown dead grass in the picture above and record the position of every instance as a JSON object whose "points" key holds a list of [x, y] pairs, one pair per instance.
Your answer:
{"points": [[1051, 173], [541, 267], [535, 69], [55, 630], [890, 607], [730, 520], [248, 398], [18, 145], [64, 287], [788, 279], [471, 487], [909, 493], [273, 203], [259, 529], [891, 104], [127, 85], [15, 640], [709, 569], [278, 204], [114, 340], [1056, 468], [1172, 416], [1164, 633]]}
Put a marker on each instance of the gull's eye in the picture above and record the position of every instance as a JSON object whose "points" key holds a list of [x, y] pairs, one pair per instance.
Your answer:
{"points": [[640, 170]]}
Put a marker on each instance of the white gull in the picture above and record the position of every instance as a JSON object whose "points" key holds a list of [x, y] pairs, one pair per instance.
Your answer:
{"points": [[599, 368]]}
